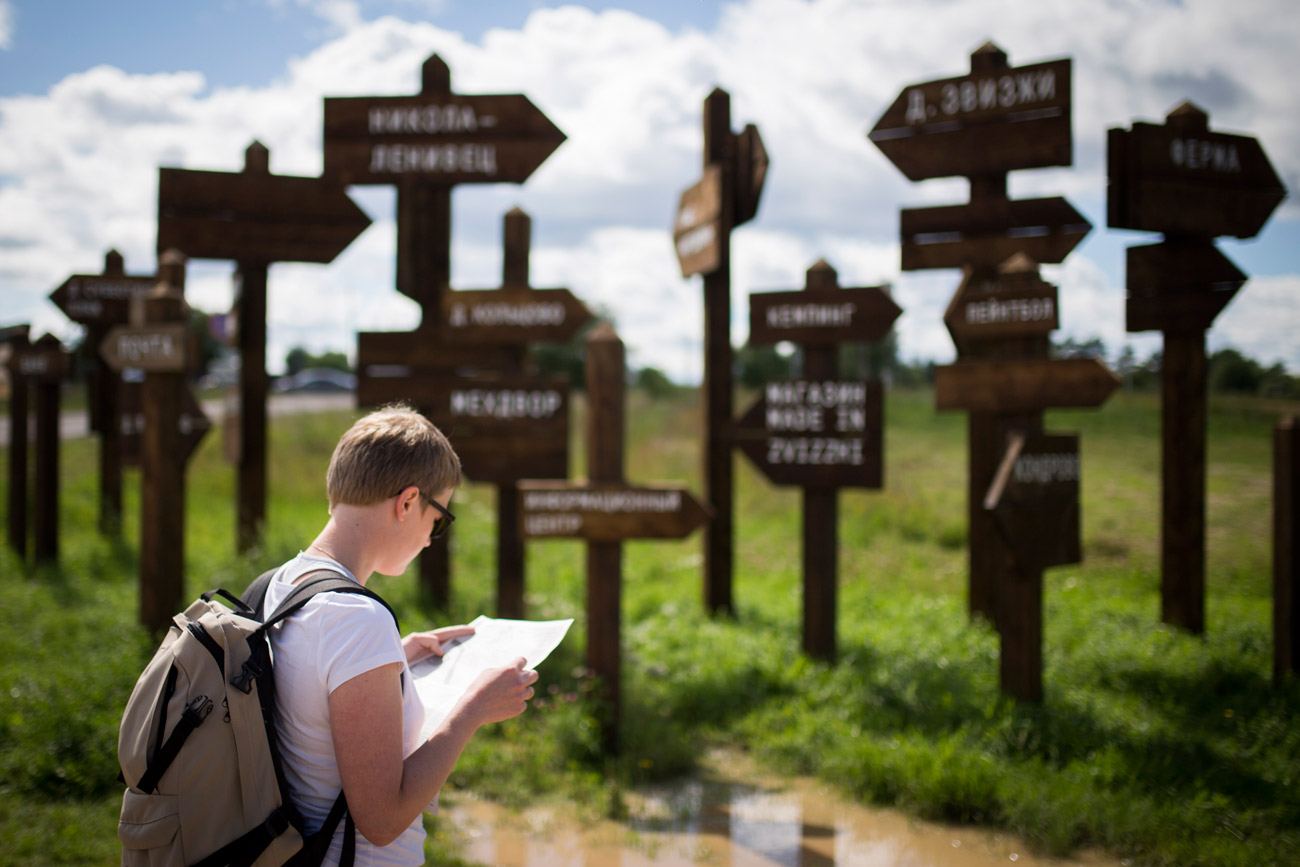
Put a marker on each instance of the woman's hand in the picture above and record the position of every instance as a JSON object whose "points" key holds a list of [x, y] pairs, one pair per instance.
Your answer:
{"points": [[499, 693], [419, 645]]}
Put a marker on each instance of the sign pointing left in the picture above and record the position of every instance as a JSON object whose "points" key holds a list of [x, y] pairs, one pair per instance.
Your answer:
{"points": [[255, 216]]}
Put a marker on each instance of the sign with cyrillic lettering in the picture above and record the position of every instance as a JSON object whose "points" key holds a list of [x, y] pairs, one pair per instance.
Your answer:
{"points": [[696, 233], [607, 513], [97, 299], [157, 348], [1016, 304], [816, 434], [503, 428], [1184, 179], [445, 137], [822, 317], [981, 123], [1034, 499], [512, 317]]}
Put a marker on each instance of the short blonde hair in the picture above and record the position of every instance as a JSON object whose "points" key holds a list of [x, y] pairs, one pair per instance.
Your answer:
{"points": [[387, 451]]}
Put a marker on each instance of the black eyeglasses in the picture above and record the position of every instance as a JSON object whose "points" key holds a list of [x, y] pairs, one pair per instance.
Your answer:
{"points": [[442, 522]]}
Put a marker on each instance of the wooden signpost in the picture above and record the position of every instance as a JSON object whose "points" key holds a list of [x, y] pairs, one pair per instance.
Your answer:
{"points": [[727, 196], [425, 145], [254, 218], [605, 511], [983, 125], [504, 422], [820, 432], [1193, 185], [98, 302], [1286, 549], [35, 368], [162, 455]]}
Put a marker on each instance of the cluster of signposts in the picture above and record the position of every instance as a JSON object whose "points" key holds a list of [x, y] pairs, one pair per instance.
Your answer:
{"points": [[467, 364]]}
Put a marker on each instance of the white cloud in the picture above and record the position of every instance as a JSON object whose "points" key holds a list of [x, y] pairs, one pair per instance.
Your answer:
{"points": [[78, 165]]}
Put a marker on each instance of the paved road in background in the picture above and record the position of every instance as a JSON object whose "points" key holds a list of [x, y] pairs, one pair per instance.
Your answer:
{"points": [[75, 425]]}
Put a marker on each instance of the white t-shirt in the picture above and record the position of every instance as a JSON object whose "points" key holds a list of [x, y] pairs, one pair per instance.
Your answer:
{"points": [[327, 642]]}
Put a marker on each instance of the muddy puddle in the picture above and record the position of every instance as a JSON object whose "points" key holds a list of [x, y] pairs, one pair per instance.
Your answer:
{"points": [[733, 816]]}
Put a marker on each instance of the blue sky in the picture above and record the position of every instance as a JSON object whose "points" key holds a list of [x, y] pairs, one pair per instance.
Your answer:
{"points": [[95, 96]]}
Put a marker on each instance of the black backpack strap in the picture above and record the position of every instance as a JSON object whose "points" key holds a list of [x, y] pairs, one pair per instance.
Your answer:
{"points": [[248, 847], [255, 594], [331, 582]]}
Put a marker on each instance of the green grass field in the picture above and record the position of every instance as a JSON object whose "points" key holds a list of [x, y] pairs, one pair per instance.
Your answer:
{"points": [[1155, 745]]}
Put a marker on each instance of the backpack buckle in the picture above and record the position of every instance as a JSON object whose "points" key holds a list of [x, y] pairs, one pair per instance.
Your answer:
{"points": [[198, 709], [244, 680]]}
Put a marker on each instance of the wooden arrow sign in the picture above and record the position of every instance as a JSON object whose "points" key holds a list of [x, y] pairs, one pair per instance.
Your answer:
{"points": [[42, 361], [1014, 303], [1178, 285], [816, 434], [436, 135], [97, 299], [751, 173], [253, 216], [503, 428], [601, 512], [996, 119], [1045, 230], [159, 348], [1181, 178], [822, 317], [1022, 385], [512, 317], [1034, 499], [193, 423], [696, 230]]}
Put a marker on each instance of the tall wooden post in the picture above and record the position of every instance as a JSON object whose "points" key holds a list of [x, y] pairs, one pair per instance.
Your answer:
{"points": [[1192, 185], [250, 295], [821, 516], [605, 437], [961, 127], [162, 462], [106, 385], [1182, 480], [46, 481], [718, 470], [17, 518], [1286, 548]]}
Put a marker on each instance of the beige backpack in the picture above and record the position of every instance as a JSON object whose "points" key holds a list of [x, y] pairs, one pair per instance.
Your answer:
{"points": [[197, 744]]}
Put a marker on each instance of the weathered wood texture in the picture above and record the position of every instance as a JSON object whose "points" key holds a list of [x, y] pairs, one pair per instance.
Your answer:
{"points": [[45, 483], [1286, 549], [1181, 178], [1182, 480], [952, 236], [255, 216], [18, 475], [250, 467], [719, 470], [606, 373], [995, 119], [162, 478]]}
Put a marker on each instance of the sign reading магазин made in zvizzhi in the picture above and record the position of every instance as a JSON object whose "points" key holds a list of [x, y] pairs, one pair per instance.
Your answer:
{"points": [[823, 434]]}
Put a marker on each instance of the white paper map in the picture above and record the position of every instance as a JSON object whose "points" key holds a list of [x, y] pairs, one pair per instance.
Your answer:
{"points": [[441, 680]]}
